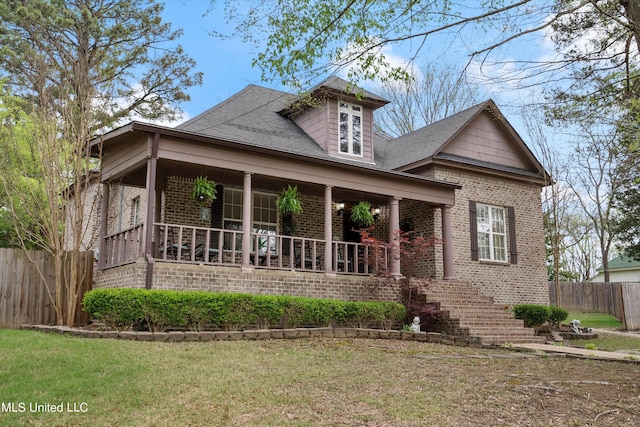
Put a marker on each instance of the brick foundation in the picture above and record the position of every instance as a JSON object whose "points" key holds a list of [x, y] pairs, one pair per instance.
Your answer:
{"points": [[260, 282]]}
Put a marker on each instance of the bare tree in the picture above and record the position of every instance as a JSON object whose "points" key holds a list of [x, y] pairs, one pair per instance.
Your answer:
{"points": [[431, 94], [595, 179]]}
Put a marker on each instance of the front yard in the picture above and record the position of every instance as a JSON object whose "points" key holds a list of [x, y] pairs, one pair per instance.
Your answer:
{"points": [[304, 382]]}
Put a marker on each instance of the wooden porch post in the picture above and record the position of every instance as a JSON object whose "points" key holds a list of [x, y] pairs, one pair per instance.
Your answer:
{"points": [[152, 172], [447, 247], [246, 221], [104, 217], [328, 232], [394, 226]]}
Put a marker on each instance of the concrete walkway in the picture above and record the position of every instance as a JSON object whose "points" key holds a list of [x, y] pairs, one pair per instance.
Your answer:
{"points": [[581, 352]]}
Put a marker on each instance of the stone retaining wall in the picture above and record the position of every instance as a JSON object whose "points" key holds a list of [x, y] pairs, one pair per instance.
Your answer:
{"points": [[263, 334]]}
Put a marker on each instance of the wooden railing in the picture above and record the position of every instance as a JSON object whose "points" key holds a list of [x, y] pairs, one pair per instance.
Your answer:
{"points": [[123, 247], [216, 246]]}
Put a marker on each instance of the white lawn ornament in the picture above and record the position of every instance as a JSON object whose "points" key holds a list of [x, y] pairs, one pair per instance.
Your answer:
{"points": [[575, 326], [415, 325]]}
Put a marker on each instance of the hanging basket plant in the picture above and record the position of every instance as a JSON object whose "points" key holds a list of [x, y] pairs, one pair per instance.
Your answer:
{"points": [[204, 190], [361, 214], [288, 201], [289, 204]]}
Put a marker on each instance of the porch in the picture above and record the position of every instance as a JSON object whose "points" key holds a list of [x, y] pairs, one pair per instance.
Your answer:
{"points": [[184, 244], [162, 163]]}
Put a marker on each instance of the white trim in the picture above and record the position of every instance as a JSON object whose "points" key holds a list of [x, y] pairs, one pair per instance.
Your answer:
{"points": [[351, 111], [489, 229]]}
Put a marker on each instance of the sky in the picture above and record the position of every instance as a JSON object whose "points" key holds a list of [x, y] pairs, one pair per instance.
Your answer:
{"points": [[226, 63]]}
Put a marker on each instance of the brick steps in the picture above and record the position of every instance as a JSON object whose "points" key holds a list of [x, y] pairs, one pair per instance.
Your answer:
{"points": [[470, 314]]}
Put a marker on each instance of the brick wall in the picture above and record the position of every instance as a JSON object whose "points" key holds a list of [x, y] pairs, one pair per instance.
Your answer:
{"points": [[121, 215], [175, 276], [419, 216], [126, 276], [507, 283]]}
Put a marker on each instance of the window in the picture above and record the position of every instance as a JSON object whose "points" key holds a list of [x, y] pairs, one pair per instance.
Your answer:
{"points": [[264, 216], [492, 237], [350, 133], [135, 211]]}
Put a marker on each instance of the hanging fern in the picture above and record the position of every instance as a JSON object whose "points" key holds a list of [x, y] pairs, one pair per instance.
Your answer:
{"points": [[361, 214], [203, 189]]}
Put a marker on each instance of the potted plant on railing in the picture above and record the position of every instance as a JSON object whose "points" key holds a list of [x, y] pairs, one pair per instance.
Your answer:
{"points": [[204, 190], [361, 214], [289, 204]]}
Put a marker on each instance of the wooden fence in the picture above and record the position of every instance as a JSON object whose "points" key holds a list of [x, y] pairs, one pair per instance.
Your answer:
{"points": [[620, 299], [23, 294]]}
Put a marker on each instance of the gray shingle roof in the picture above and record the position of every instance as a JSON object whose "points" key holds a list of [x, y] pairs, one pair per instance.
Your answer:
{"points": [[341, 85], [251, 117]]}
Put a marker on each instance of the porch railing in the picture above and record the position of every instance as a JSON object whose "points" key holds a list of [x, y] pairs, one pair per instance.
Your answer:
{"points": [[216, 246], [123, 247]]}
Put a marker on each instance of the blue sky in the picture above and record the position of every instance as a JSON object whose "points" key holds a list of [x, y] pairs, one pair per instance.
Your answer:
{"points": [[226, 64], [227, 69]]}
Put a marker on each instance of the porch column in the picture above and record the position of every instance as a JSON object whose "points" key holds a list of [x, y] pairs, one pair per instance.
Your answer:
{"points": [[394, 226], [246, 221], [152, 175], [104, 215], [328, 232], [447, 246]]}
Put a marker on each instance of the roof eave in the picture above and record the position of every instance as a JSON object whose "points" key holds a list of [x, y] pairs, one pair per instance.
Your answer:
{"points": [[150, 128]]}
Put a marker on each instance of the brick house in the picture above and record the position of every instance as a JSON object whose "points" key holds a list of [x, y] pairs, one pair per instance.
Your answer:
{"points": [[468, 179]]}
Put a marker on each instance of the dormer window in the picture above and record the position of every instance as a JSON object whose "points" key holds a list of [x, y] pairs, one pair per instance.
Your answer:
{"points": [[350, 135]]}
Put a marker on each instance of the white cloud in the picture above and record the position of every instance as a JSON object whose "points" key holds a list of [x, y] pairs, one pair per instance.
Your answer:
{"points": [[352, 53]]}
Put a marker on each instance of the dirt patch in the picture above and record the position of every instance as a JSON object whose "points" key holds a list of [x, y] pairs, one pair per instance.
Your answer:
{"points": [[431, 384]]}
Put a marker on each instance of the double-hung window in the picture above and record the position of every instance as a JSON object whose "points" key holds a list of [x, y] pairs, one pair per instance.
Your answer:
{"points": [[264, 215], [350, 132], [136, 214], [492, 237]]}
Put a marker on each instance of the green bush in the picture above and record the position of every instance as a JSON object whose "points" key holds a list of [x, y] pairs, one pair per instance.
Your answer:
{"points": [[533, 315], [118, 308], [557, 315], [159, 310]]}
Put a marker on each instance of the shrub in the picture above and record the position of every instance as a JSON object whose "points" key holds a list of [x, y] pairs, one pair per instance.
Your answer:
{"points": [[118, 308], [163, 309], [533, 315], [159, 309], [557, 315]]}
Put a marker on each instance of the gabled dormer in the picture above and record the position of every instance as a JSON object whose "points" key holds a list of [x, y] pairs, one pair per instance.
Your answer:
{"points": [[339, 118]]}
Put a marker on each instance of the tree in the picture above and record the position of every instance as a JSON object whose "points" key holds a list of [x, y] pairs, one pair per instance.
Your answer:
{"points": [[74, 67], [299, 40], [595, 180], [432, 94], [627, 198]]}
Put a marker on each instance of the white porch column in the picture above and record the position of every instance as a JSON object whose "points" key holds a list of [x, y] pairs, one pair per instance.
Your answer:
{"points": [[394, 226], [447, 244], [328, 232], [246, 221]]}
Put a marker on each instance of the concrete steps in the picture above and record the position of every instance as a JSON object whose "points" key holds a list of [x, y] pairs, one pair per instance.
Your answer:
{"points": [[468, 313]]}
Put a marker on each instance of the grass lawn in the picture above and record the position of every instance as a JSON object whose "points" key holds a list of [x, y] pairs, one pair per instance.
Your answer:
{"points": [[594, 320], [604, 341], [312, 382]]}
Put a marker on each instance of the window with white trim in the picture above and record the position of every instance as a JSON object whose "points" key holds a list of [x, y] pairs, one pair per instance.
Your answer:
{"points": [[492, 237], [350, 131], [136, 215], [264, 218]]}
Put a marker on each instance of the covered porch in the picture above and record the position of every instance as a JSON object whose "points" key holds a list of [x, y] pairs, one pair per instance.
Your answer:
{"points": [[175, 230]]}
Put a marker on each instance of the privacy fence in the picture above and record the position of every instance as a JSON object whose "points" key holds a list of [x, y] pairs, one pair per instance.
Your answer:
{"points": [[620, 299], [23, 292]]}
